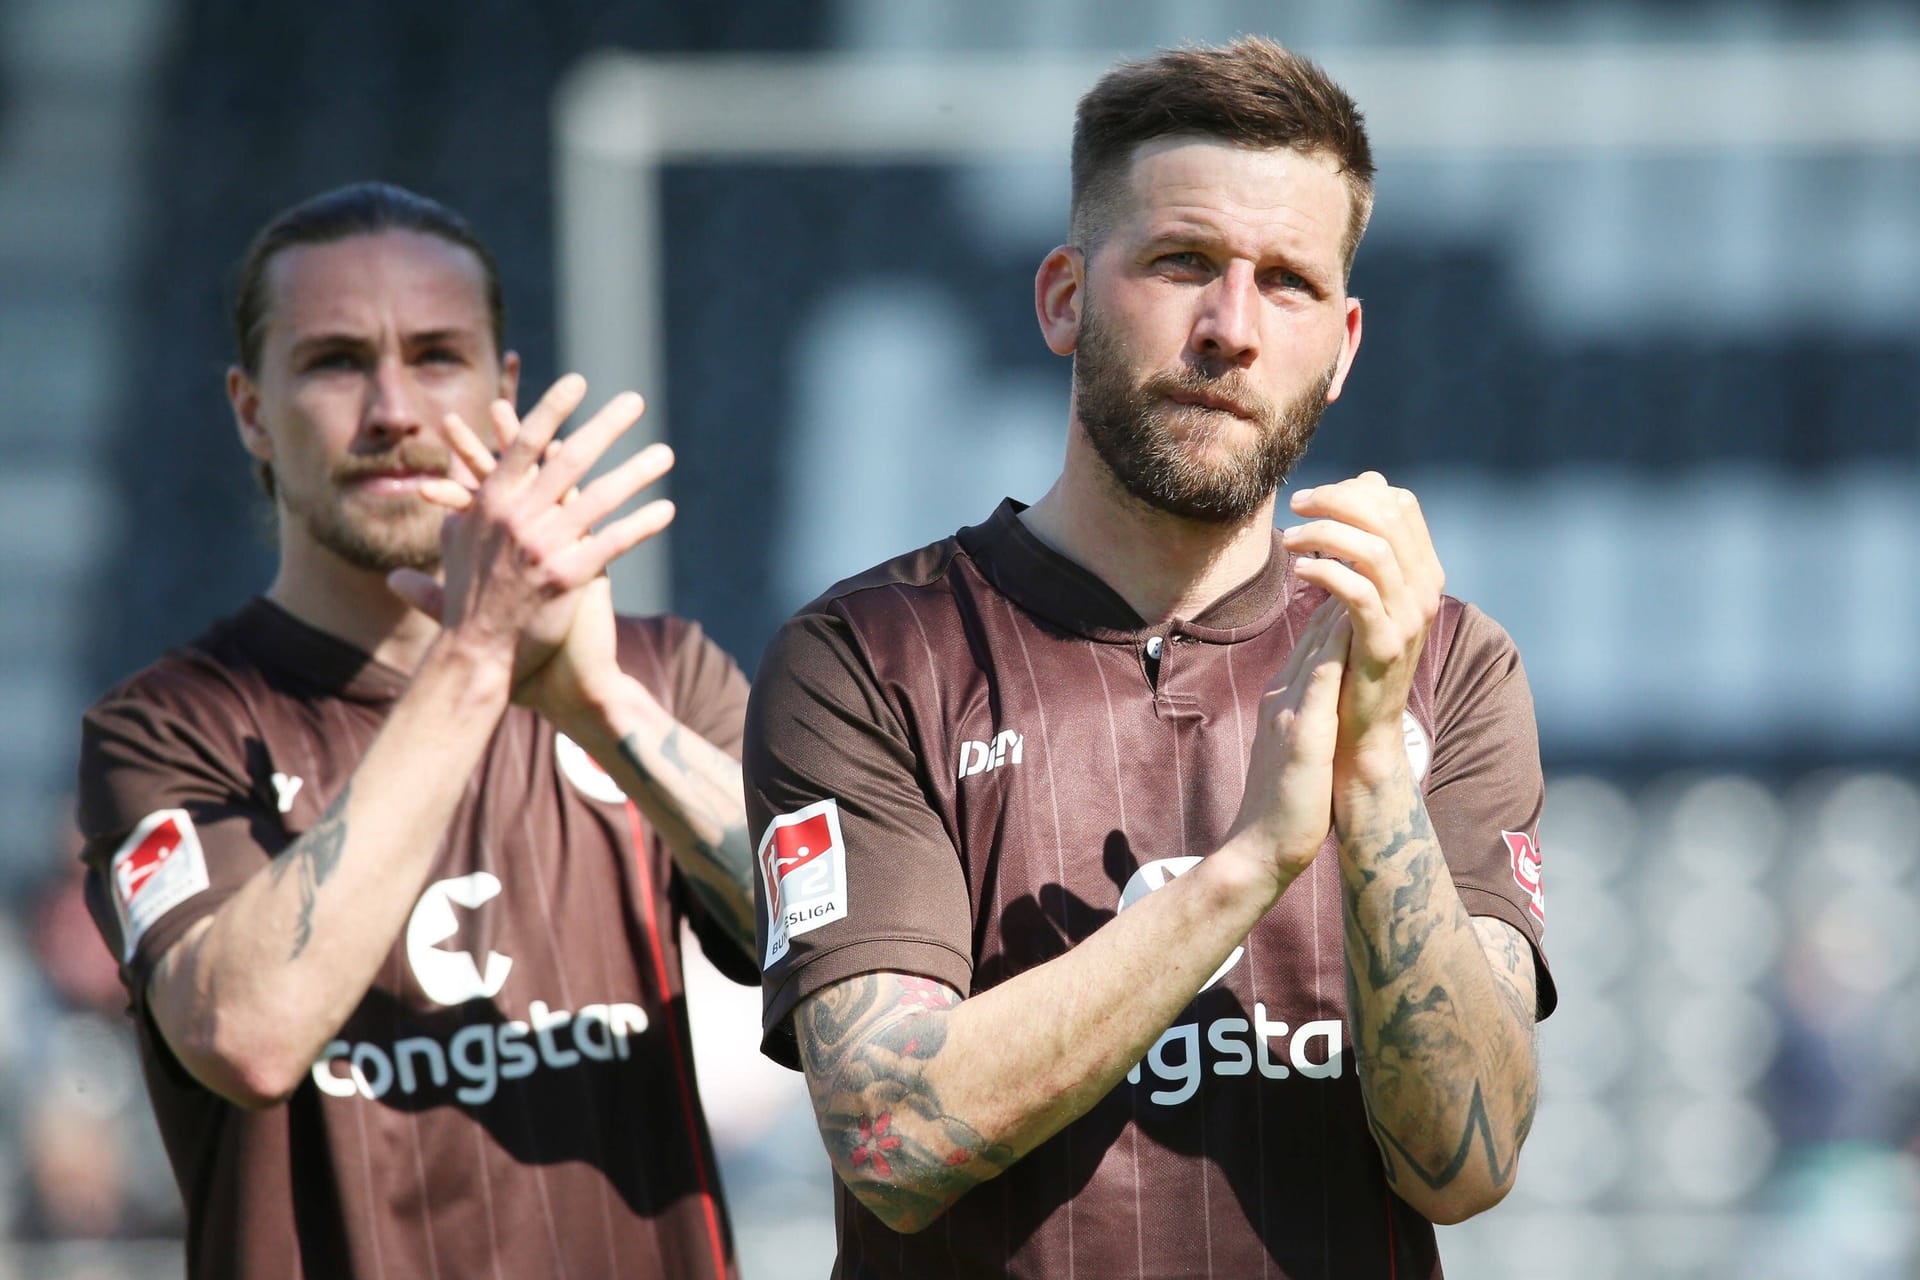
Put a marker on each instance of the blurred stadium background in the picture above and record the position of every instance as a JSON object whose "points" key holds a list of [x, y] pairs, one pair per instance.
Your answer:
{"points": [[1641, 328]]}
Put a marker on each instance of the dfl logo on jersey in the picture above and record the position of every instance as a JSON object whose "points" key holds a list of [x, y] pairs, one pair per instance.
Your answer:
{"points": [[1233, 1046]]}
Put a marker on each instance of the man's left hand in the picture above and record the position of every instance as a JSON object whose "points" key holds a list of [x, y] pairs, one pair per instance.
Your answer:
{"points": [[1366, 543]]}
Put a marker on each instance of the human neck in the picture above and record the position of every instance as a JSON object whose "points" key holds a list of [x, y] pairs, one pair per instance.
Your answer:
{"points": [[352, 604], [1162, 565]]}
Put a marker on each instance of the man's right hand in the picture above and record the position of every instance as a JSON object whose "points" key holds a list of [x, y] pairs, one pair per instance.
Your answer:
{"points": [[1286, 809], [520, 548]]}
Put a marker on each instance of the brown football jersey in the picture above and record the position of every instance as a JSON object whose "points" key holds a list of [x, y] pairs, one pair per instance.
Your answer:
{"points": [[514, 1096], [965, 761]]}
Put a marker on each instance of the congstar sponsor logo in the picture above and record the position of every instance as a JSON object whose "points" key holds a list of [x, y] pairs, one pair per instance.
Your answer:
{"points": [[472, 1061], [1186, 1053], [475, 1059], [1238, 1047]]}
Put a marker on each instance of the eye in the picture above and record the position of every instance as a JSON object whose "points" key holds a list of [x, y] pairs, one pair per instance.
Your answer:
{"points": [[441, 355], [1184, 262], [1292, 280], [332, 361]]}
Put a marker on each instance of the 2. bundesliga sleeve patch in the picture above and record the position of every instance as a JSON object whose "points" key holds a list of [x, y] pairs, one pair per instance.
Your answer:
{"points": [[803, 865], [159, 866]]}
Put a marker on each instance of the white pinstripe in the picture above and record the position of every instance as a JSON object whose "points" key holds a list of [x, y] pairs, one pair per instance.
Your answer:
{"points": [[539, 1171], [1253, 969], [486, 1195], [1133, 1095], [1060, 859]]}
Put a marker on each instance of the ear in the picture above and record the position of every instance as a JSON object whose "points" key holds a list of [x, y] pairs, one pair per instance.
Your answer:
{"points": [[245, 399], [510, 377], [1349, 348], [1058, 288]]}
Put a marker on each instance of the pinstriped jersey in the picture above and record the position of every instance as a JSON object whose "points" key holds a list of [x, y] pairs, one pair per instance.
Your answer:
{"points": [[514, 1095], [970, 758]]}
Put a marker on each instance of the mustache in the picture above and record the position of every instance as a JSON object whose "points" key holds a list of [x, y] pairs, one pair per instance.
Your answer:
{"points": [[1228, 388], [425, 458]]}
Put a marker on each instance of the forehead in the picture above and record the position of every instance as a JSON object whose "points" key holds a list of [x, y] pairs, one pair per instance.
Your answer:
{"points": [[1270, 198], [406, 281]]}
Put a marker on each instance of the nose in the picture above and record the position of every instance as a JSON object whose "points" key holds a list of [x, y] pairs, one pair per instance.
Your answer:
{"points": [[393, 408], [1227, 329]]}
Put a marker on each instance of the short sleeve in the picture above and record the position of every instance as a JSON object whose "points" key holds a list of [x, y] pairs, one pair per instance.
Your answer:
{"points": [[709, 691], [856, 871], [1485, 790], [170, 825]]}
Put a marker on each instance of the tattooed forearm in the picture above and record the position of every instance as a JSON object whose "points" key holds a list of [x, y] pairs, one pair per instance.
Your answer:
{"points": [[698, 802], [1406, 868], [1442, 1007], [866, 1044], [311, 861]]}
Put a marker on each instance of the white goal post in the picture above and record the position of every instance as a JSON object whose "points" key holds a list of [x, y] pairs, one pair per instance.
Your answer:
{"points": [[619, 118]]}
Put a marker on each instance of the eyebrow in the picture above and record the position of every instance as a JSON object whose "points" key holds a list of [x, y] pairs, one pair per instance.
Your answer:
{"points": [[429, 337], [1185, 233], [426, 337]]}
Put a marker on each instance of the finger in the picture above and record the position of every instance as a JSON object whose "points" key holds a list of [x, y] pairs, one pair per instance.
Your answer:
{"points": [[585, 446], [1372, 624], [467, 446], [532, 433], [587, 558], [612, 491], [1373, 557], [419, 590], [1357, 501], [1368, 552], [1307, 642], [1368, 502], [1322, 691], [447, 493], [552, 449], [506, 429], [1424, 568]]}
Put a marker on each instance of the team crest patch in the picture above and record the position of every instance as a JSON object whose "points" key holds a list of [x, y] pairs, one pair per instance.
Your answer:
{"points": [[584, 772], [803, 866], [1525, 857], [1419, 746], [160, 866]]}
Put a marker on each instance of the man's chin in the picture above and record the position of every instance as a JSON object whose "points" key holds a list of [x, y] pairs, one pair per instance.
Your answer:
{"points": [[384, 548]]}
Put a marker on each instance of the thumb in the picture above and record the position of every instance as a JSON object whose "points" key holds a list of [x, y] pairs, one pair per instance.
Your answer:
{"points": [[418, 589]]}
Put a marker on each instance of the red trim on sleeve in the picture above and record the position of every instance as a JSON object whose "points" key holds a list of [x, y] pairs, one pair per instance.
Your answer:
{"points": [[687, 1107], [1393, 1249]]}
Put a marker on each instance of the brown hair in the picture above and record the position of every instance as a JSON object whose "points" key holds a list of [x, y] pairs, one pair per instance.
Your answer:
{"points": [[1252, 92], [361, 209]]}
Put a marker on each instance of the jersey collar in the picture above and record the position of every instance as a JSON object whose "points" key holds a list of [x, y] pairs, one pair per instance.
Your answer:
{"points": [[315, 657], [1044, 582]]}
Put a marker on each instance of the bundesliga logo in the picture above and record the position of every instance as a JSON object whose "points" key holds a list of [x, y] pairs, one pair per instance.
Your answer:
{"points": [[803, 867]]}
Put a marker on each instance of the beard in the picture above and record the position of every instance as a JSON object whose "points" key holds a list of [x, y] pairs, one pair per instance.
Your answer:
{"points": [[1158, 450], [368, 531]]}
